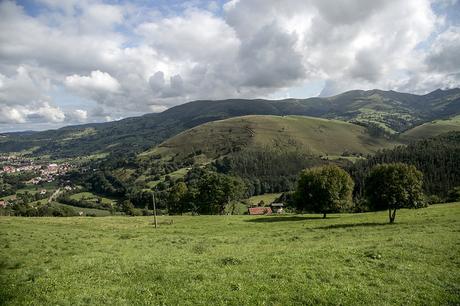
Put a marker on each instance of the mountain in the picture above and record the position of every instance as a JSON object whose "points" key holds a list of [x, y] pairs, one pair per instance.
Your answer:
{"points": [[386, 112]]}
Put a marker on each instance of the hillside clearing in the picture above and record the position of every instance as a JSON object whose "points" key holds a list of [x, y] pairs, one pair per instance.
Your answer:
{"points": [[295, 259], [267, 198], [91, 197]]}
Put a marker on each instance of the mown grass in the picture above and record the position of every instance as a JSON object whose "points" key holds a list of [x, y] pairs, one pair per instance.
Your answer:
{"points": [[349, 259]]}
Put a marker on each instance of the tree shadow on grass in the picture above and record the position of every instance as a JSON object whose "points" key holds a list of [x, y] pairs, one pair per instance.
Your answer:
{"points": [[285, 219], [349, 225]]}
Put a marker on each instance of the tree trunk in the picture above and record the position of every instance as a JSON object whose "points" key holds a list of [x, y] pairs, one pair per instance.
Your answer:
{"points": [[392, 215], [324, 215]]}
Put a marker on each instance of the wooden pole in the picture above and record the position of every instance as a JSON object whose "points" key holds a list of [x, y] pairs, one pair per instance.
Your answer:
{"points": [[154, 210]]}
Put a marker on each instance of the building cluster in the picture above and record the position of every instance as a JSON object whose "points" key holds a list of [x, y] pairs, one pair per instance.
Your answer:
{"points": [[47, 172], [23, 168]]}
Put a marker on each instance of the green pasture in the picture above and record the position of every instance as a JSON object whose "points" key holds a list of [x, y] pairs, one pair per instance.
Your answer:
{"points": [[346, 259]]}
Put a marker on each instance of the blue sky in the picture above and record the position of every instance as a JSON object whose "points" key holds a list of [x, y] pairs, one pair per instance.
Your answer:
{"points": [[69, 62]]}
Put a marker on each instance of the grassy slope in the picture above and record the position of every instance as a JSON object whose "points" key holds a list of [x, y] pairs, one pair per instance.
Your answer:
{"points": [[86, 211], [91, 197], [268, 198], [433, 128], [282, 132], [240, 260]]}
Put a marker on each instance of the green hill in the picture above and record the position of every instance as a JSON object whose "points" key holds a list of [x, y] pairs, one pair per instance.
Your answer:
{"points": [[311, 135], [433, 128], [387, 111]]}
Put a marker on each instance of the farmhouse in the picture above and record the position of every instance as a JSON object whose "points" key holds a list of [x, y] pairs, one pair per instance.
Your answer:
{"points": [[260, 211], [52, 168], [277, 208]]}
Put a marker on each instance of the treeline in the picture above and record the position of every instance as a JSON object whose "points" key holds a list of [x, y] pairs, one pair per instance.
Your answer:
{"points": [[201, 192], [47, 210], [438, 158], [268, 170]]}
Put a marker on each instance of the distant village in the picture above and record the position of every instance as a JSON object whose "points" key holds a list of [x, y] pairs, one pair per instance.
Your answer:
{"points": [[46, 172]]}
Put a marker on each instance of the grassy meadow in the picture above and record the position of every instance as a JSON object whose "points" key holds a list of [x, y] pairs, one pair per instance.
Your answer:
{"points": [[347, 259]]}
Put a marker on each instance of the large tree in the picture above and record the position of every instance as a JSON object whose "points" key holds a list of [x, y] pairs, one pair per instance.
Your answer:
{"points": [[326, 189], [393, 186], [214, 191], [177, 198]]}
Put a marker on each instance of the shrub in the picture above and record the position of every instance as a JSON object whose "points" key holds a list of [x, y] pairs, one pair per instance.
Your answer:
{"points": [[454, 195]]}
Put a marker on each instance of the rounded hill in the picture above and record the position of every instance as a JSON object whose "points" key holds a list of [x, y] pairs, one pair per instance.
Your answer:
{"points": [[312, 135]]}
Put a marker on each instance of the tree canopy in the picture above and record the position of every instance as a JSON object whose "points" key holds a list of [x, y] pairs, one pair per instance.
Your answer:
{"points": [[214, 191], [326, 189], [393, 186]]}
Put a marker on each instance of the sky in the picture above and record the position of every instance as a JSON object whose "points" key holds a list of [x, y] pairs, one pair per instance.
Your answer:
{"points": [[66, 62]]}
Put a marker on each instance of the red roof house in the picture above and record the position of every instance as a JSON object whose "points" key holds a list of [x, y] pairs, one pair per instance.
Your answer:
{"points": [[260, 211]]}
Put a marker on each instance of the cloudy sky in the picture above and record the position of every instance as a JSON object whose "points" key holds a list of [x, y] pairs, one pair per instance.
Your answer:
{"points": [[75, 61]]}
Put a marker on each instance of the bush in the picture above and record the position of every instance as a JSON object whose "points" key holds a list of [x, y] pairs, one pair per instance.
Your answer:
{"points": [[433, 199], [128, 208], [454, 195]]}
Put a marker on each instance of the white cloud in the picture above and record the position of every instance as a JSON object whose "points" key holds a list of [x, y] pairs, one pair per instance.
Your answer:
{"points": [[47, 112], [158, 108], [78, 115], [37, 112], [196, 36], [97, 82], [128, 59], [444, 55], [11, 115]]}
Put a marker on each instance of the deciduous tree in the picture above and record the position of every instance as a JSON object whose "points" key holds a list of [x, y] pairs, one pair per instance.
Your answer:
{"points": [[326, 189], [393, 186]]}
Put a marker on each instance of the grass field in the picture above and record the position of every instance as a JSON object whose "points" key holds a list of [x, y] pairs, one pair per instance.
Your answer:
{"points": [[349, 259]]}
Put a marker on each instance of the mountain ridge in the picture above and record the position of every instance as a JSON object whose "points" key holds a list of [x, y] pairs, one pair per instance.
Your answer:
{"points": [[387, 112]]}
